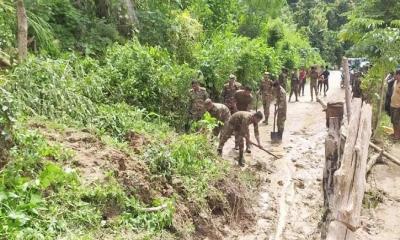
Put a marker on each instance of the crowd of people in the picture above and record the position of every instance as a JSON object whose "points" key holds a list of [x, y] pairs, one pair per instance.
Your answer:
{"points": [[234, 112]]}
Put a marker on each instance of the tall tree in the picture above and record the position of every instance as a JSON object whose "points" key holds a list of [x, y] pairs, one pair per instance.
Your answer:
{"points": [[22, 22]]}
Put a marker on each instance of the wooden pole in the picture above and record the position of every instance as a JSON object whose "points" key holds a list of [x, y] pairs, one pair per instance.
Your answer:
{"points": [[346, 70], [332, 157], [387, 155], [350, 178], [392, 158], [332, 163], [372, 161]]}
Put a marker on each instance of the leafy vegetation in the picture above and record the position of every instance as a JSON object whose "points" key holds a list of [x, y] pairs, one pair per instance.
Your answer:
{"points": [[374, 30], [120, 70]]}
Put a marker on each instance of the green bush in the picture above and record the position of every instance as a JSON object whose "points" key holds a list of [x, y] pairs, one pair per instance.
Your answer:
{"points": [[48, 87], [190, 158], [146, 77], [118, 119]]}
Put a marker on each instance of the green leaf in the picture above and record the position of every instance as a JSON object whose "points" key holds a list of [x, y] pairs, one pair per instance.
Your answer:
{"points": [[21, 217]]}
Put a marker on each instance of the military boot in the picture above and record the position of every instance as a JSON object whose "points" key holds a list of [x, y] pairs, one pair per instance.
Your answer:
{"points": [[248, 150]]}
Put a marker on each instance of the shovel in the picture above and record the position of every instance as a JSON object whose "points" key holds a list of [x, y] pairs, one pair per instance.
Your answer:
{"points": [[276, 137], [265, 150]]}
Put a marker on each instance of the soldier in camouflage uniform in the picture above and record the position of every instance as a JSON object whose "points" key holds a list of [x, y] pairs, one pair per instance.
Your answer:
{"points": [[228, 93], [280, 96], [266, 94], [197, 96], [243, 99], [294, 85], [313, 82], [283, 77], [239, 124], [220, 112]]}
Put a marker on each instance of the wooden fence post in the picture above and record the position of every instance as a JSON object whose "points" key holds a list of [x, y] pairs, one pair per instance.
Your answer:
{"points": [[345, 202]]}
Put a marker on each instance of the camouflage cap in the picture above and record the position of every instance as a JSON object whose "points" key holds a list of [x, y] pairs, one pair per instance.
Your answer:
{"points": [[232, 76]]}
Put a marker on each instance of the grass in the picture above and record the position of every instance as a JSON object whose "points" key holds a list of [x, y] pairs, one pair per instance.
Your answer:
{"points": [[372, 199], [383, 130], [41, 198]]}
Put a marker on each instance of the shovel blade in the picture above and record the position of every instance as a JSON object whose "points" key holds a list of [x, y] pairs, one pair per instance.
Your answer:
{"points": [[276, 137]]}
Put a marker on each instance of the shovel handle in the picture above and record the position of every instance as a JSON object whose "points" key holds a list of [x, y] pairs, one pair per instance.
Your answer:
{"points": [[265, 150]]}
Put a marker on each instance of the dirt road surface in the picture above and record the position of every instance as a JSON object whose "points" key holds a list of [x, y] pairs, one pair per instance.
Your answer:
{"points": [[289, 205], [383, 221]]}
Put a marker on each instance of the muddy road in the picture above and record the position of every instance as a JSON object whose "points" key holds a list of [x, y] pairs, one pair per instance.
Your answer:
{"points": [[289, 203]]}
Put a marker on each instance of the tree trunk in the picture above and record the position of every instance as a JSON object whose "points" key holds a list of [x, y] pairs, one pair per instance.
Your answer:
{"points": [[380, 105], [22, 21], [350, 178]]}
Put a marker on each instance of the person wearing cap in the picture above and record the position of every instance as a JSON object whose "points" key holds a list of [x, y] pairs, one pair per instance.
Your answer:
{"points": [[238, 125], [228, 93], [197, 96], [243, 99], [218, 111], [280, 97], [266, 95]]}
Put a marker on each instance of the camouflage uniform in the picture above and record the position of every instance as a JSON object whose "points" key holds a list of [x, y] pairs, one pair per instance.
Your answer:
{"points": [[228, 95], [266, 94], [313, 83], [222, 114], [294, 86], [242, 100], [281, 115], [197, 98], [282, 79], [238, 124]]}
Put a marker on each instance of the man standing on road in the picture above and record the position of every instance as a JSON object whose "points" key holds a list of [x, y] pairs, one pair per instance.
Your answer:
{"points": [[280, 95], [239, 124], [325, 75], [294, 85], [197, 96], [395, 107], [313, 83], [266, 94], [283, 77], [303, 79], [243, 99], [220, 112]]}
